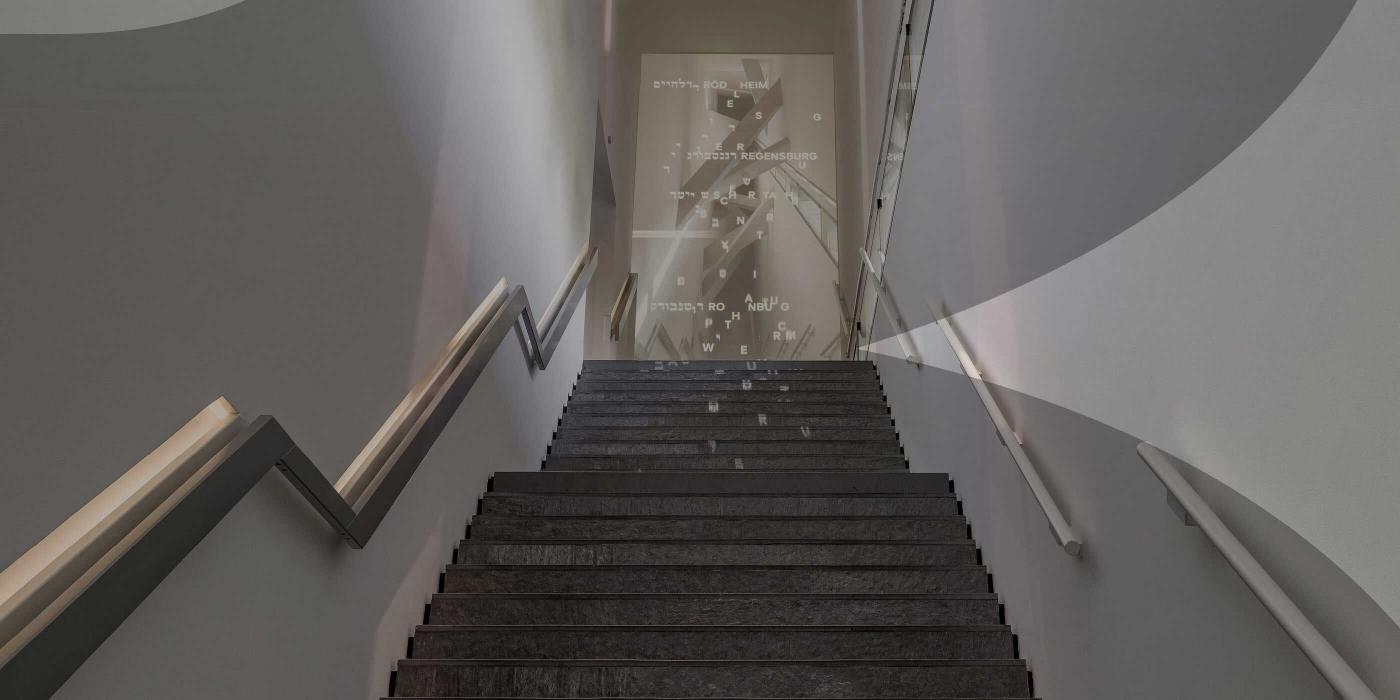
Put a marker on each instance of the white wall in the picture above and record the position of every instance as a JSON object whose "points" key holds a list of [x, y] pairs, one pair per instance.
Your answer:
{"points": [[1246, 322], [294, 205]]}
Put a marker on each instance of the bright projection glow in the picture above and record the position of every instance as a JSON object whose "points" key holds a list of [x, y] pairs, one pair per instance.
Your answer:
{"points": [[734, 216]]}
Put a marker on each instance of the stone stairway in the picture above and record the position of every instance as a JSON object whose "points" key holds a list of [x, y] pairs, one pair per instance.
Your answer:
{"points": [[718, 530]]}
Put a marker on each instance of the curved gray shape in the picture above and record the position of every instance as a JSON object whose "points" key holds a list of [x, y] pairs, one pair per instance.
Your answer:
{"points": [[1149, 591], [1044, 129], [82, 17]]}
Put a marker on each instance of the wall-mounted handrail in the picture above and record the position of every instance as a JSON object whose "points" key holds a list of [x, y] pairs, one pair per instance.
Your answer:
{"points": [[63, 597], [1059, 526], [621, 306], [1319, 651], [901, 335]]}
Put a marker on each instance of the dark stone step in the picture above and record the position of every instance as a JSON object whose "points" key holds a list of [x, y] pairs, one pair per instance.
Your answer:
{"points": [[726, 447], [696, 679], [712, 642], [723, 397], [869, 387], [716, 579], [726, 463], [548, 504], [657, 405], [762, 375], [712, 609], [888, 529], [751, 365], [581, 420], [737, 483], [770, 432], [716, 553]]}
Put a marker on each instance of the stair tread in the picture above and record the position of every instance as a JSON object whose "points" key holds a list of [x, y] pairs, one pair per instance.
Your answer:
{"points": [[718, 529]]}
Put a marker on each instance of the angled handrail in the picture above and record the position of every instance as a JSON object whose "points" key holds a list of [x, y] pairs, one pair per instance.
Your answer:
{"points": [[620, 307], [61, 599], [1059, 526], [901, 336], [1195, 511]]}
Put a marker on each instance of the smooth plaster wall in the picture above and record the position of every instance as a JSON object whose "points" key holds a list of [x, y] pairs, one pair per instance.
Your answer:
{"points": [[294, 205], [1246, 322]]}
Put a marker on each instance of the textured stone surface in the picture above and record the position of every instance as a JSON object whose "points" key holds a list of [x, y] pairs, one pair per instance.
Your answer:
{"points": [[693, 679], [718, 530], [706, 420], [716, 553], [739, 484], [726, 447], [803, 404], [890, 529], [866, 376], [867, 386], [712, 642], [715, 579], [710, 365], [713, 609], [549, 504], [757, 395], [749, 462], [772, 432]]}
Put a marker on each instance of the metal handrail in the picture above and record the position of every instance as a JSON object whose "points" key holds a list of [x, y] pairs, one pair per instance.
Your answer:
{"points": [[900, 336], [67, 594], [620, 307], [1059, 526], [1195, 511]]}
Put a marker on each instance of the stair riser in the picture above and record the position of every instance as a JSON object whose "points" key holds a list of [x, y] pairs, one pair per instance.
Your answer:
{"points": [[733, 447], [725, 463], [449, 610], [701, 554], [738, 483], [501, 504], [579, 420], [712, 680], [650, 643], [754, 396], [801, 580], [736, 529], [799, 433], [655, 406]]}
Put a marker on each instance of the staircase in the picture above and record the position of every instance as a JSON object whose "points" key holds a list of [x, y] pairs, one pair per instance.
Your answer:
{"points": [[718, 530]]}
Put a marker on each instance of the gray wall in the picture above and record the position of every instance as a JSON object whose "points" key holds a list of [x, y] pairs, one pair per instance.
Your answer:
{"points": [[80, 16], [1172, 222], [867, 34], [294, 205]]}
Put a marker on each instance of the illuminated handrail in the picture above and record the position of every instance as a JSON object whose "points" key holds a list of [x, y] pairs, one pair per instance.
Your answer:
{"points": [[1059, 526], [1196, 511], [63, 597]]}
